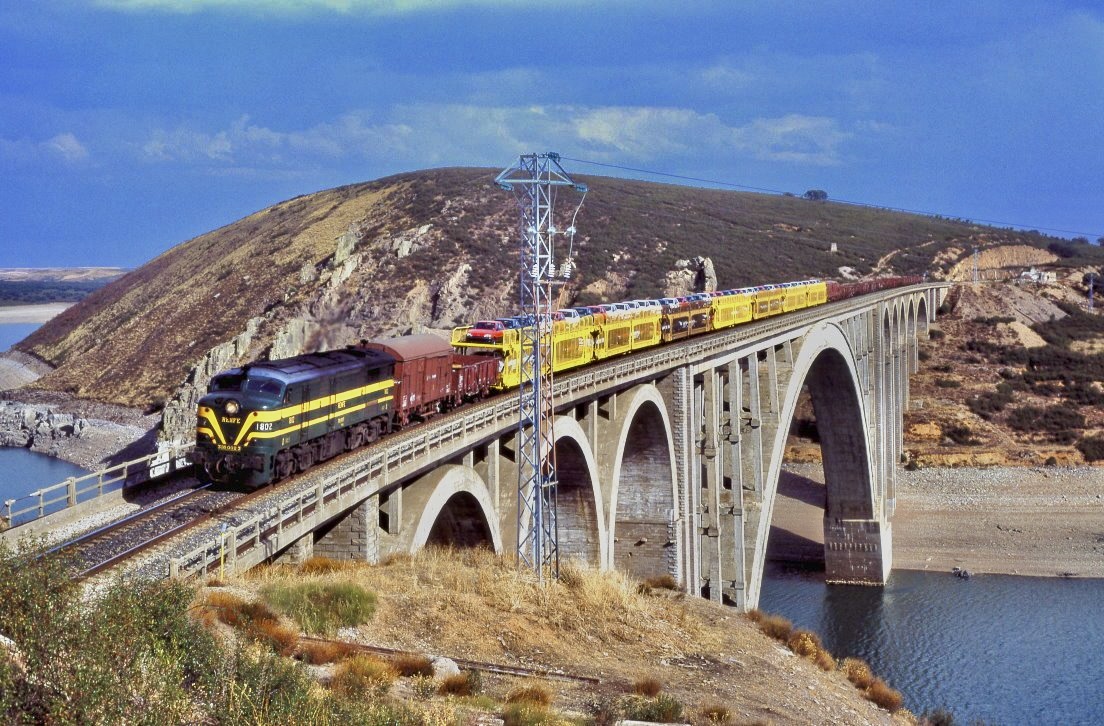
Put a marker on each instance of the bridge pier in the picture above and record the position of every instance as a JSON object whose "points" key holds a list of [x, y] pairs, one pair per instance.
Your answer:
{"points": [[353, 536], [857, 551]]}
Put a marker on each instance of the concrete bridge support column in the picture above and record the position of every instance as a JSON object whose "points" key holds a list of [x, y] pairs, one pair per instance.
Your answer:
{"points": [[355, 536], [298, 552], [857, 551], [680, 396]]}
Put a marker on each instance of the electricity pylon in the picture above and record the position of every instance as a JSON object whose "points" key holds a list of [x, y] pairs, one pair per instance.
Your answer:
{"points": [[535, 181]]}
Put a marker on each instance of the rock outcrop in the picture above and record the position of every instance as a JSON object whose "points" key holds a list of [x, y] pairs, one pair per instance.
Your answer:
{"points": [[37, 427], [689, 277]]}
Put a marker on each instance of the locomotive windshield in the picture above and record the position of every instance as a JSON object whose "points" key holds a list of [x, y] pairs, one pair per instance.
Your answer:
{"points": [[266, 387], [257, 385]]}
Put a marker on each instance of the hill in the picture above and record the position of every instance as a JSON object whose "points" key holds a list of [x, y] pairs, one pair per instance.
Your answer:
{"points": [[436, 248]]}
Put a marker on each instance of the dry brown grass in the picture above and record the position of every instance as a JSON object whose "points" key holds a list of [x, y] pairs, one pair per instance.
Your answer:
{"points": [[472, 604], [662, 582], [477, 591], [825, 661], [455, 685], [716, 714], [776, 626], [363, 676], [858, 672], [282, 638], [324, 565], [253, 619], [409, 664], [804, 643], [647, 686], [533, 694], [888, 698], [321, 652]]}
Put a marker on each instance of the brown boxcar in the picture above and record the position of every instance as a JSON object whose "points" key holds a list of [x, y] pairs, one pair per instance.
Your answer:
{"points": [[472, 376], [423, 374]]}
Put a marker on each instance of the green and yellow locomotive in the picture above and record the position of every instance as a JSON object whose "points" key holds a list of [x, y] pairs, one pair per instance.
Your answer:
{"points": [[270, 419]]}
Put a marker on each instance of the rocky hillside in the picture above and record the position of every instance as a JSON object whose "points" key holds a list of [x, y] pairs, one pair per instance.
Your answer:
{"points": [[436, 248]]}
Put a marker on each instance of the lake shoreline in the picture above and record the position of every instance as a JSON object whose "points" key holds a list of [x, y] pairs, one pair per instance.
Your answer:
{"points": [[1028, 521]]}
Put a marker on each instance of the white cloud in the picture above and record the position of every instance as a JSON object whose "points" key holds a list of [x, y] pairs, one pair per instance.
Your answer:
{"points": [[65, 147], [417, 135]]}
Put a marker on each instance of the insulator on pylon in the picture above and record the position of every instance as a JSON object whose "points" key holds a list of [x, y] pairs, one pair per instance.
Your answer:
{"points": [[566, 269]]}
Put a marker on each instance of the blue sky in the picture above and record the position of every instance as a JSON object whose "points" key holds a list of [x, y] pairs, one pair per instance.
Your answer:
{"points": [[128, 126]]}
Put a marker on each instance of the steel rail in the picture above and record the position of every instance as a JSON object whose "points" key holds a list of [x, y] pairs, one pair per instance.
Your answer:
{"points": [[129, 519], [163, 536], [472, 664]]}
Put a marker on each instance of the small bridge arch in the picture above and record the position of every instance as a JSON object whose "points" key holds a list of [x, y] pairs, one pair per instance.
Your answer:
{"points": [[642, 489]]}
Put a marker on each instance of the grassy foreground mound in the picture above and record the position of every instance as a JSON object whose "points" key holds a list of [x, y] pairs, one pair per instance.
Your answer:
{"points": [[238, 652]]}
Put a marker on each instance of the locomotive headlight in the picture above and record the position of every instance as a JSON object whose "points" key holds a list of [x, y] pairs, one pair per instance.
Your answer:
{"points": [[232, 407]]}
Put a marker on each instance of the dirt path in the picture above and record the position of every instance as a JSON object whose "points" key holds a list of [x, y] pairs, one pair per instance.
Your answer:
{"points": [[1019, 521]]}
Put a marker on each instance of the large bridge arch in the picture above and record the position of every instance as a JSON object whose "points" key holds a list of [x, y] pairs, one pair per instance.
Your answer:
{"points": [[451, 505], [827, 364], [579, 507], [643, 490]]}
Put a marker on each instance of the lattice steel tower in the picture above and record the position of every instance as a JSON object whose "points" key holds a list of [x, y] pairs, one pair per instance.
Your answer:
{"points": [[535, 181]]}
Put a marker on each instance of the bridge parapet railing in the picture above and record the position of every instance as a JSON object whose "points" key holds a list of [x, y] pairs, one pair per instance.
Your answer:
{"points": [[80, 489]]}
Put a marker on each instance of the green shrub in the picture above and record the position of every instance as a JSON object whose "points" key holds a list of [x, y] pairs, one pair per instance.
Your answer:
{"points": [[322, 607], [948, 383], [1051, 420], [961, 435], [89, 661], [660, 709]]}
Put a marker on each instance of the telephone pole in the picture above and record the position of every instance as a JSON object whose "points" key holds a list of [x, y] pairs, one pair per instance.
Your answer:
{"points": [[535, 181]]}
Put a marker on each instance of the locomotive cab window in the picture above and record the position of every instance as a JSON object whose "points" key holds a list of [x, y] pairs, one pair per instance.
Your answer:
{"points": [[265, 387], [226, 382]]}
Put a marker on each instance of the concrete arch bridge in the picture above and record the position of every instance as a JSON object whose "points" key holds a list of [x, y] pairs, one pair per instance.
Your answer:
{"points": [[668, 460]]}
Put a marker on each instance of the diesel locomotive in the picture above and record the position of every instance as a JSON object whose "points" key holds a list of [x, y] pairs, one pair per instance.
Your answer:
{"points": [[268, 420]]}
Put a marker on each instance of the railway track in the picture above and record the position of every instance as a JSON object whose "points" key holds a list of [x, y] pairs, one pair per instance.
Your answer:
{"points": [[107, 546]]}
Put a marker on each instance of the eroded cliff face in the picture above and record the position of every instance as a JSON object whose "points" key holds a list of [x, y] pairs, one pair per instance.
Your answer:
{"points": [[348, 301]]}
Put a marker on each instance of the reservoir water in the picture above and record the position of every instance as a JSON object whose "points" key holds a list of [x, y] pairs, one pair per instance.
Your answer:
{"points": [[23, 471], [12, 333], [994, 648]]}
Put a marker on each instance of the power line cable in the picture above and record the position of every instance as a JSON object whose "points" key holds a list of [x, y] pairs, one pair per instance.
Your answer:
{"points": [[867, 205]]}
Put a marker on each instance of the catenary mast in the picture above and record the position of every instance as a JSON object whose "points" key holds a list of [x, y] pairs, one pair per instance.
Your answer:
{"points": [[535, 181]]}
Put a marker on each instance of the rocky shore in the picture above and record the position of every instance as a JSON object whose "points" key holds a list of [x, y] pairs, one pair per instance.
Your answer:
{"points": [[89, 435], [1037, 521]]}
